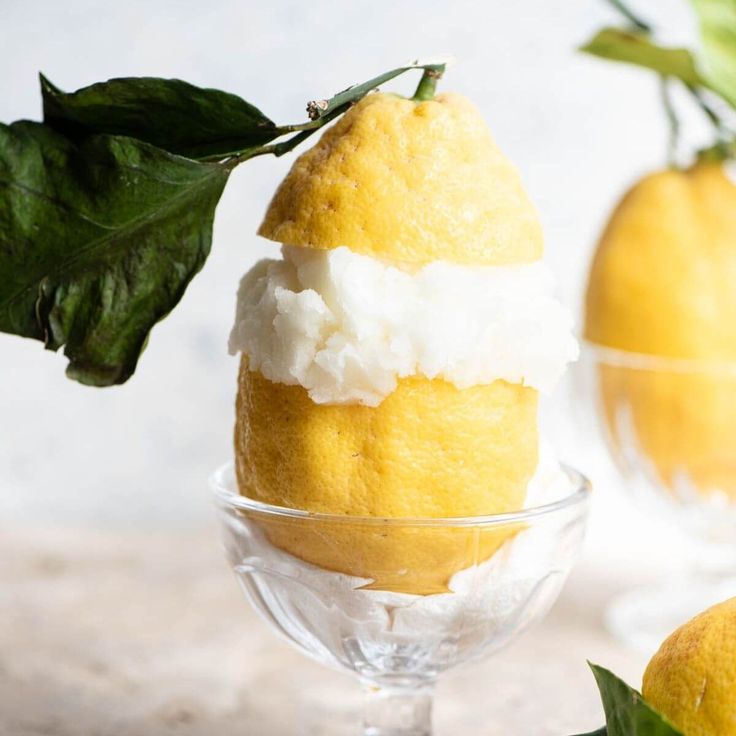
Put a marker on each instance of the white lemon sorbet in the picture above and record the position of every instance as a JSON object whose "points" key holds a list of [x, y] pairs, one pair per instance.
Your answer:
{"points": [[347, 326]]}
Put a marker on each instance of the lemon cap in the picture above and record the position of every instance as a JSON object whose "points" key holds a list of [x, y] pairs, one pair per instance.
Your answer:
{"points": [[408, 181]]}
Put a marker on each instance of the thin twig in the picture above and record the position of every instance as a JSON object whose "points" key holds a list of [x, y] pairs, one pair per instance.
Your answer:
{"points": [[634, 19], [672, 120], [301, 126], [323, 111], [713, 117]]}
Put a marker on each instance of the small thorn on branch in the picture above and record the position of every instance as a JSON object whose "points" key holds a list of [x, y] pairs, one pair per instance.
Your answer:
{"points": [[315, 108]]}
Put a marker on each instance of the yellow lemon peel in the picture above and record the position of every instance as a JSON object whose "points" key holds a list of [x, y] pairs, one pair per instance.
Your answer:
{"points": [[428, 450], [692, 678], [408, 181]]}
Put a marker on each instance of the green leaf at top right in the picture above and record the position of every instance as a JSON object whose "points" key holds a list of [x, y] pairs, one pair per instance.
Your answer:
{"points": [[717, 57], [634, 47]]}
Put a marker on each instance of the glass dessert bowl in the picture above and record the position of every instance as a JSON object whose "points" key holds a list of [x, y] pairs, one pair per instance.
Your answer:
{"points": [[509, 569], [669, 425]]}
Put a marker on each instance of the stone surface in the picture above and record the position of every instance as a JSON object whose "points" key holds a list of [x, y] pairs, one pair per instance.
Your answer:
{"points": [[131, 634]]}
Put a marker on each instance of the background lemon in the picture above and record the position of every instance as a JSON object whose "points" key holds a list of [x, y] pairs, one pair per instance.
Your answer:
{"points": [[663, 282], [692, 678]]}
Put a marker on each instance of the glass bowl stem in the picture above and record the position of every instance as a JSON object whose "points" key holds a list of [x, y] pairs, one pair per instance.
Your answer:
{"points": [[398, 710]]}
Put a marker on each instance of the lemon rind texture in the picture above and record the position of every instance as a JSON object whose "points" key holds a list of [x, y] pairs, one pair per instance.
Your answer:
{"points": [[410, 182]]}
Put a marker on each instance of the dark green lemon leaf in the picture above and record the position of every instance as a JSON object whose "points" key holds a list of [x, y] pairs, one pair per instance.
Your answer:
{"points": [[636, 48], [718, 33], [627, 713], [98, 242], [106, 209], [168, 113]]}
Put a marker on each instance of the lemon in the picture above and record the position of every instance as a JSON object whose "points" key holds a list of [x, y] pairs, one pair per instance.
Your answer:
{"points": [[692, 678], [406, 457], [410, 182], [662, 283], [428, 450]]}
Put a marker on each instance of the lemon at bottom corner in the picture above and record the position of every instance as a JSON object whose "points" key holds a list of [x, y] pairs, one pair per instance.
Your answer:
{"points": [[428, 450], [692, 678]]}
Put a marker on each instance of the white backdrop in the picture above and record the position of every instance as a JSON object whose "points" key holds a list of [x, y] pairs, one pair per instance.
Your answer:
{"points": [[578, 129]]}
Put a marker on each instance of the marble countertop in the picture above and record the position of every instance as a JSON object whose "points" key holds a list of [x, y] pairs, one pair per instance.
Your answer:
{"points": [[132, 634]]}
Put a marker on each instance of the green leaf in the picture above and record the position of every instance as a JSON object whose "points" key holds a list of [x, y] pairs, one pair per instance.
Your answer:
{"points": [[168, 113], [103, 221], [600, 732], [98, 242], [191, 121], [636, 48], [627, 713], [718, 57]]}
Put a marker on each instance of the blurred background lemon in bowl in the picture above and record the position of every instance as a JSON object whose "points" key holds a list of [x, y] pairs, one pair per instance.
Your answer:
{"points": [[661, 303]]}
